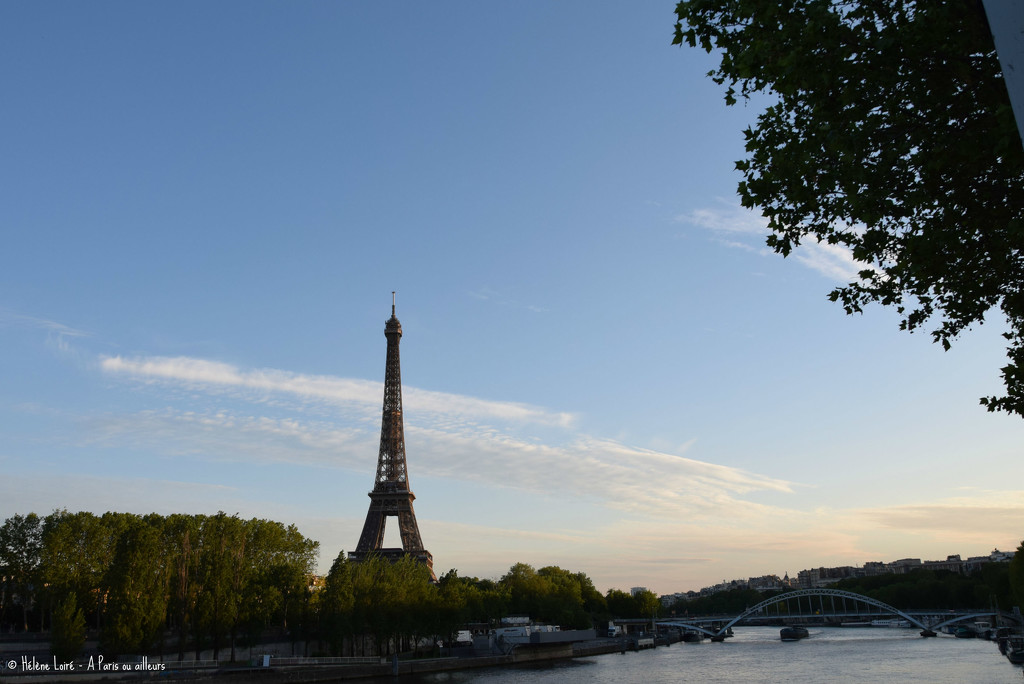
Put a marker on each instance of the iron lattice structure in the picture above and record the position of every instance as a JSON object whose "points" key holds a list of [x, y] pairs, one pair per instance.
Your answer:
{"points": [[391, 496]]}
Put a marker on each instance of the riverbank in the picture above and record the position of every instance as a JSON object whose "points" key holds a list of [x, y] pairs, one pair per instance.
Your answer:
{"points": [[842, 656], [298, 670]]}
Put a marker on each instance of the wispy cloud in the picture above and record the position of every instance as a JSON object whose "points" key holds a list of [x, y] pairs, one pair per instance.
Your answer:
{"points": [[58, 335], [833, 261], [214, 374], [608, 474], [13, 319], [225, 436], [616, 475], [732, 222], [726, 217], [642, 498], [456, 437]]}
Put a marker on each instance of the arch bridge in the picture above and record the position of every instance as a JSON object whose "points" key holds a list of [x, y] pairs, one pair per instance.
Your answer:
{"points": [[831, 603]]}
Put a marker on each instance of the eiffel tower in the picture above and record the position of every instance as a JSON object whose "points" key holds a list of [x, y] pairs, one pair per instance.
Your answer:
{"points": [[391, 496]]}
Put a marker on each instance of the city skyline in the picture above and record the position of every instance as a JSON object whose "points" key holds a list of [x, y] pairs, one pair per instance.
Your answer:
{"points": [[603, 367], [865, 568]]}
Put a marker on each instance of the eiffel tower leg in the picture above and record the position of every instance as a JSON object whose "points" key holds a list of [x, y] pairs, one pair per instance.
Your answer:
{"points": [[372, 537], [409, 529]]}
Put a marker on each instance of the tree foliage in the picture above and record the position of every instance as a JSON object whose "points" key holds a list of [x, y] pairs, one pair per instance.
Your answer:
{"points": [[642, 604], [984, 588], [731, 602], [137, 588], [552, 595], [396, 605], [891, 134], [20, 555], [77, 549], [208, 579], [1016, 576], [68, 633]]}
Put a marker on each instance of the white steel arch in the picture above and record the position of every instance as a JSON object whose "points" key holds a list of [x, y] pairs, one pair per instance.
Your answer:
{"points": [[799, 593], [839, 593]]}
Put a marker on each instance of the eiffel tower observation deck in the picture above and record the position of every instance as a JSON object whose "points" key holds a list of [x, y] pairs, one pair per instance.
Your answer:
{"points": [[391, 496]]}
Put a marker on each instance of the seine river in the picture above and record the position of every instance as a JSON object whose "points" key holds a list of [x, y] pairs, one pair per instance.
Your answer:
{"points": [[755, 654]]}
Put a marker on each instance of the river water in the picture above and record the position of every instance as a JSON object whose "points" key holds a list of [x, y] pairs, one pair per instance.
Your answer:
{"points": [[756, 654]]}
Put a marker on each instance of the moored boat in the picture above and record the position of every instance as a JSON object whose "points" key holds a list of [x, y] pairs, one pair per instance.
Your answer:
{"points": [[793, 633]]}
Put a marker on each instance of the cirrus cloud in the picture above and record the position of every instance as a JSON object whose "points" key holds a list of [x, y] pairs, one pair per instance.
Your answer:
{"points": [[736, 227], [215, 374]]}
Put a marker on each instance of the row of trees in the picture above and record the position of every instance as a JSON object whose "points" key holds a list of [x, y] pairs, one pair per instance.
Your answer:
{"points": [[209, 581], [396, 604], [149, 584], [989, 586]]}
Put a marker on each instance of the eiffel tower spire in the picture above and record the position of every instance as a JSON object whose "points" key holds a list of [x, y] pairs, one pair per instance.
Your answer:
{"points": [[391, 496]]}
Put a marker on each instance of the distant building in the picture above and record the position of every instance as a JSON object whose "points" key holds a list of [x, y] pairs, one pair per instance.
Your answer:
{"points": [[974, 563], [904, 565], [637, 590], [873, 568], [816, 578], [765, 583], [669, 600], [952, 564]]}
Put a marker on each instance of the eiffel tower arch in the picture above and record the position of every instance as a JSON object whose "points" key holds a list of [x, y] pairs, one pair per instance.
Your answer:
{"points": [[391, 496]]}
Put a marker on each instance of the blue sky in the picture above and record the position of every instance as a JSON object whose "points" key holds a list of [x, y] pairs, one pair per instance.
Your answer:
{"points": [[206, 207]]}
